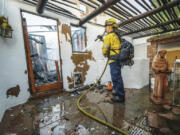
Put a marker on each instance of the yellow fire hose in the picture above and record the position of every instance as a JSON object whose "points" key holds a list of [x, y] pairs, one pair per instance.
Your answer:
{"points": [[94, 117]]}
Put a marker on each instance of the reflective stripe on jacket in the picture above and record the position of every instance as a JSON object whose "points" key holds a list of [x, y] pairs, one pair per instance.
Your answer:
{"points": [[111, 41]]}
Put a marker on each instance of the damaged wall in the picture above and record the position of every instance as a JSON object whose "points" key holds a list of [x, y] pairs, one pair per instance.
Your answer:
{"points": [[81, 65], [13, 82], [13, 59], [86, 63]]}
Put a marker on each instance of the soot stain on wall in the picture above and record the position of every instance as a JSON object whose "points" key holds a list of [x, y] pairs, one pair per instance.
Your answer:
{"points": [[66, 30], [81, 65], [14, 91]]}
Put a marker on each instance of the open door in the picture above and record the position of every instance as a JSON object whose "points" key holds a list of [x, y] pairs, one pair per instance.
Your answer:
{"points": [[43, 53]]}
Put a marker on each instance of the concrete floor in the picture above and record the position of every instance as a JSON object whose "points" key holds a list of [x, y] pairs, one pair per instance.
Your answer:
{"points": [[58, 115]]}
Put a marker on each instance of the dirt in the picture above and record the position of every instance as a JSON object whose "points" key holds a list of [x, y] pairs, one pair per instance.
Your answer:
{"points": [[66, 30], [58, 114], [25, 72], [176, 110], [14, 91], [167, 107]]}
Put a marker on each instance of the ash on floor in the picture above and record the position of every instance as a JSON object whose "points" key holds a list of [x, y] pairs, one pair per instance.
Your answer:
{"points": [[58, 115]]}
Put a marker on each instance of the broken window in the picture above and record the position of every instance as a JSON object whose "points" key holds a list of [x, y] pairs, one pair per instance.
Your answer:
{"points": [[44, 48], [78, 37]]}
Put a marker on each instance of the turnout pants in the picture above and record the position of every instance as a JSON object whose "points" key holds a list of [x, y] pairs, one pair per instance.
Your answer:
{"points": [[118, 86]]}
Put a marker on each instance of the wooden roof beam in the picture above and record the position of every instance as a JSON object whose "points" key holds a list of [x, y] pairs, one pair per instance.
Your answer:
{"points": [[151, 12], [152, 27]]}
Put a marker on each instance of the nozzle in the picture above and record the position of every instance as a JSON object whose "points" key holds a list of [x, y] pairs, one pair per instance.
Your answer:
{"points": [[100, 37]]}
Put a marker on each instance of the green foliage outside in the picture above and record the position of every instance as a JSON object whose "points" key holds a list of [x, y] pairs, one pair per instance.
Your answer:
{"points": [[163, 15]]}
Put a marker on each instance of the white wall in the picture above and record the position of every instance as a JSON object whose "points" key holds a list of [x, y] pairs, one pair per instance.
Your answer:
{"points": [[136, 76], [13, 62], [13, 58], [96, 48], [140, 47]]}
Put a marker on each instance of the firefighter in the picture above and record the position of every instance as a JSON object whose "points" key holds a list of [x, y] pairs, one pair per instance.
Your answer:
{"points": [[111, 46]]}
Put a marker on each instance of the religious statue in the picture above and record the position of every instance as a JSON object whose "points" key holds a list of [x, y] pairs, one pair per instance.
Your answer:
{"points": [[161, 69]]}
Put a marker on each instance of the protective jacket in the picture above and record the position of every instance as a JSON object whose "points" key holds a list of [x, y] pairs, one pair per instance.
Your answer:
{"points": [[111, 42]]}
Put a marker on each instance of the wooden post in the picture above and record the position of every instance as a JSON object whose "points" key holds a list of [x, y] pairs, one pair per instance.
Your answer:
{"points": [[59, 43], [151, 12], [29, 60], [97, 11], [57, 70]]}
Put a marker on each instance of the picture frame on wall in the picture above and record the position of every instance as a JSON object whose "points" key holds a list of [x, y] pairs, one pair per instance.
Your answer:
{"points": [[78, 39]]}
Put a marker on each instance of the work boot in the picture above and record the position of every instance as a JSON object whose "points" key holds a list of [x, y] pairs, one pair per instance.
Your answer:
{"points": [[114, 93], [118, 99]]}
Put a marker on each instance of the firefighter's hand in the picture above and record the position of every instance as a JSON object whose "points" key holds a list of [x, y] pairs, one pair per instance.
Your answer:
{"points": [[100, 37]]}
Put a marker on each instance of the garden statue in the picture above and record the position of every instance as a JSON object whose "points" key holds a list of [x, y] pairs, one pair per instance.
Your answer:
{"points": [[161, 69]]}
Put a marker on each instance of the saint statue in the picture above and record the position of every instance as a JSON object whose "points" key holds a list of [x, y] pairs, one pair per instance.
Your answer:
{"points": [[161, 68]]}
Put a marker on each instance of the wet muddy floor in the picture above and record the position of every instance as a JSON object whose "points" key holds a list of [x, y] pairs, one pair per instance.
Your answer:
{"points": [[58, 115]]}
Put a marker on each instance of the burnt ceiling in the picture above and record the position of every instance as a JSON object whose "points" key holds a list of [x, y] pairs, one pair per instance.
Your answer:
{"points": [[137, 18]]}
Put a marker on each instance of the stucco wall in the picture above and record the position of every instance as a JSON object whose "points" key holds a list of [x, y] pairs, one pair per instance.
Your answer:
{"points": [[95, 66], [136, 76], [140, 71], [140, 47], [13, 62], [13, 58]]}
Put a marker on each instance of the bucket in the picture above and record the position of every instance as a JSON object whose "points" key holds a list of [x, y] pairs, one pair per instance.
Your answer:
{"points": [[109, 86]]}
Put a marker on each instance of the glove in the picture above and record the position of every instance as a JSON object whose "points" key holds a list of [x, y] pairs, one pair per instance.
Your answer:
{"points": [[100, 37]]}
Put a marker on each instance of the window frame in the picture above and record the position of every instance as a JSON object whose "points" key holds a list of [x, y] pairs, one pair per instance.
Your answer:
{"points": [[74, 25]]}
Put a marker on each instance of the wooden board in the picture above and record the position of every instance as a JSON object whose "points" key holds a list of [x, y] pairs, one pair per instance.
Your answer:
{"points": [[57, 85]]}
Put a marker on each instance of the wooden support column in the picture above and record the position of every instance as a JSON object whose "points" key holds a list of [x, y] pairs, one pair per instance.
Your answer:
{"points": [[57, 70], [151, 12], [97, 11], [28, 54]]}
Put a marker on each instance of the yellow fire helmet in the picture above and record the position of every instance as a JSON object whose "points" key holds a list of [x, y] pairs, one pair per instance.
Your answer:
{"points": [[112, 22]]}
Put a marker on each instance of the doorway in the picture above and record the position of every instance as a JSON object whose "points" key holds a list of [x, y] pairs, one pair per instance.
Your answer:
{"points": [[43, 52]]}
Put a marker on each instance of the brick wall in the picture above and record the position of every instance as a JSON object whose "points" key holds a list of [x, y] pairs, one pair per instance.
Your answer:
{"points": [[151, 53]]}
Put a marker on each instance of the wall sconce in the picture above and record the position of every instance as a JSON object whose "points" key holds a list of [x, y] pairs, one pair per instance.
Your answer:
{"points": [[1, 21], [5, 28]]}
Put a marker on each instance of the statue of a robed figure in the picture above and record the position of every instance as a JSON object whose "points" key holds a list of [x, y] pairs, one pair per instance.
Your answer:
{"points": [[161, 68]]}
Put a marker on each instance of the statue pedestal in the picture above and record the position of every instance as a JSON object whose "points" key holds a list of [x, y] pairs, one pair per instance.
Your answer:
{"points": [[160, 101]]}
